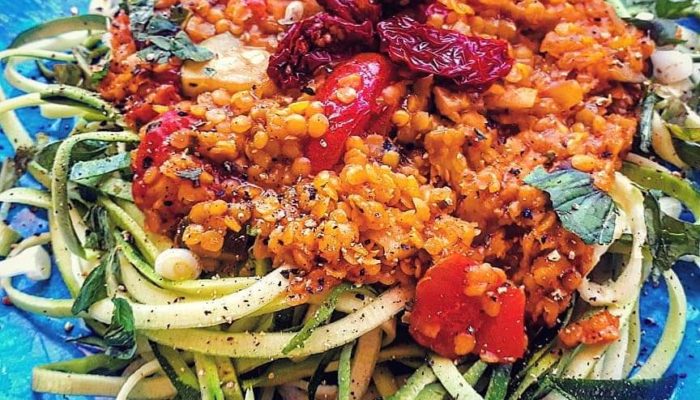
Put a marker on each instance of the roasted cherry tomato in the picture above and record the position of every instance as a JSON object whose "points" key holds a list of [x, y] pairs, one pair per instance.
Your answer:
{"points": [[351, 104], [166, 197], [452, 323]]}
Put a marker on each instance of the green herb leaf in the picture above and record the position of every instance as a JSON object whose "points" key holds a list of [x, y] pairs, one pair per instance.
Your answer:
{"points": [[93, 288], [673, 9], [180, 46], [322, 315], [82, 151], [688, 152], [140, 12], [589, 389], [101, 235], [184, 49], [88, 169], [121, 334], [159, 25], [645, 118], [154, 54], [582, 208], [669, 239], [178, 14]]}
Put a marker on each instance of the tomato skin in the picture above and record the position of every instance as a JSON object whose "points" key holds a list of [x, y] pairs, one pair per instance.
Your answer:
{"points": [[502, 338], [159, 199], [154, 149], [442, 312], [354, 118]]}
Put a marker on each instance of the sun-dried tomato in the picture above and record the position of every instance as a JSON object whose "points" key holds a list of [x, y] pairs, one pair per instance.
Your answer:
{"points": [[314, 42], [353, 10], [465, 60]]}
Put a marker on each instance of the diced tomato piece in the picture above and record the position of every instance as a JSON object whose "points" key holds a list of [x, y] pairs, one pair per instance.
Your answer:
{"points": [[502, 338], [453, 324], [154, 149], [373, 72]]}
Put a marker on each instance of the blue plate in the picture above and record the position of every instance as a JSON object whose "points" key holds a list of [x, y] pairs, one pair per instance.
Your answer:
{"points": [[28, 340]]}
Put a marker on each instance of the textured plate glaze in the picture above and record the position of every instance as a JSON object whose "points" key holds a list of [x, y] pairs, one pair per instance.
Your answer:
{"points": [[27, 340]]}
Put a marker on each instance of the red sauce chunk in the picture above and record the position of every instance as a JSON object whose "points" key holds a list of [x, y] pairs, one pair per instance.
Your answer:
{"points": [[463, 307]]}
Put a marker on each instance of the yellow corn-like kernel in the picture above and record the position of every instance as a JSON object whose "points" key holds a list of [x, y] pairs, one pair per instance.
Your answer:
{"points": [[295, 125], [241, 124], [260, 140], [318, 125], [400, 118], [299, 107]]}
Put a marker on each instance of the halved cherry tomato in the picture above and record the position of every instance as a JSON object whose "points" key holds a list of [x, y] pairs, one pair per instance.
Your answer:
{"points": [[453, 324], [158, 195], [373, 73]]}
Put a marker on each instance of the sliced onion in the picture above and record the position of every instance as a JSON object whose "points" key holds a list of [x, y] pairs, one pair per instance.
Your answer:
{"points": [[671, 66]]}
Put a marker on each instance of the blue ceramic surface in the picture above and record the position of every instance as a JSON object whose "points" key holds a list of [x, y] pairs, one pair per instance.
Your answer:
{"points": [[28, 340]]}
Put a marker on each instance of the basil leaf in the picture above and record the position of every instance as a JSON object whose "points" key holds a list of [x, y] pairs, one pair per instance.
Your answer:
{"points": [[645, 121], [184, 49], [140, 12], [154, 54], [688, 152], [101, 235], [121, 334], [93, 288], [180, 46], [669, 239], [663, 31], [626, 389], [159, 25], [82, 151], [673, 9], [178, 14], [582, 208], [88, 169]]}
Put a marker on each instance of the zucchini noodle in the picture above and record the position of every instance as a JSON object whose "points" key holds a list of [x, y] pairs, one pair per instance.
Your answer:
{"points": [[147, 369], [269, 345], [662, 142], [200, 313], [27, 196], [630, 200], [368, 346], [232, 337], [674, 330], [59, 182], [97, 385]]}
